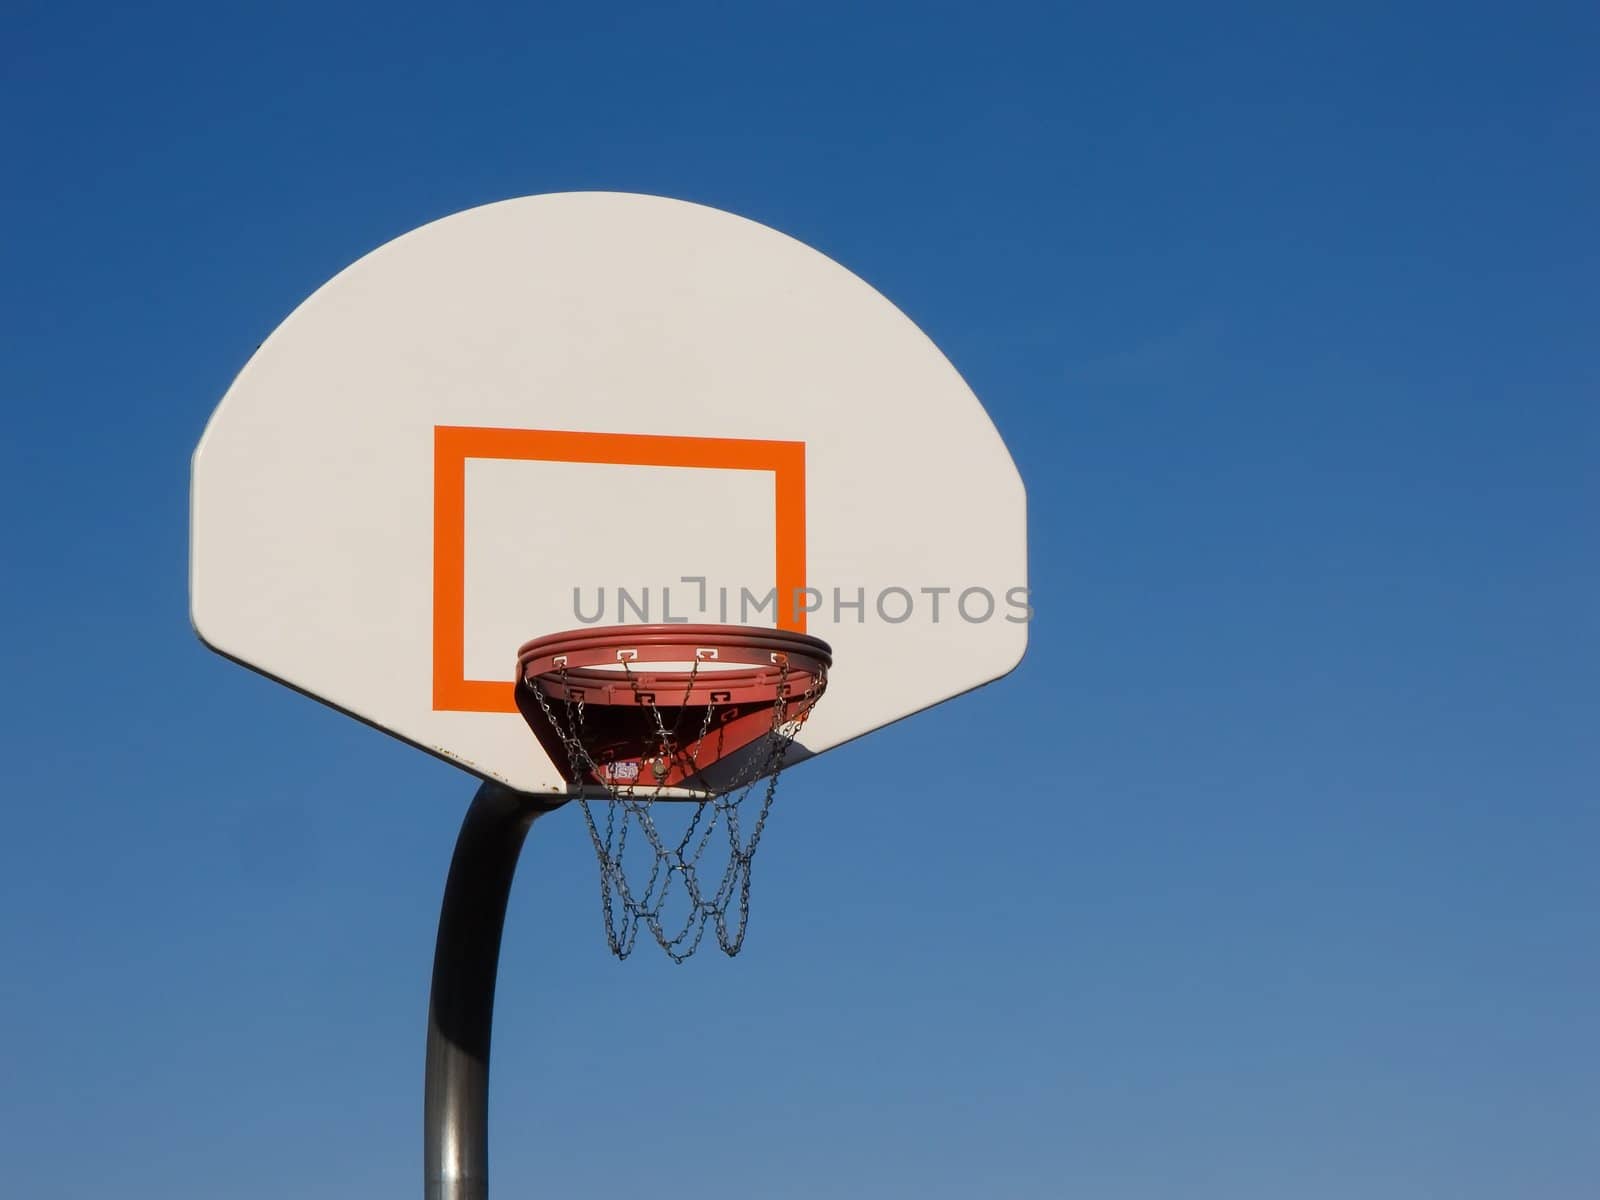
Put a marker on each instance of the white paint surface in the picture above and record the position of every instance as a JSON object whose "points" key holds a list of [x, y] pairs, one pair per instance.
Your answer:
{"points": [[312, 504]]}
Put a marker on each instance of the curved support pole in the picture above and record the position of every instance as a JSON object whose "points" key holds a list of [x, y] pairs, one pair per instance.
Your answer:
{"points": [[461, 1005]]}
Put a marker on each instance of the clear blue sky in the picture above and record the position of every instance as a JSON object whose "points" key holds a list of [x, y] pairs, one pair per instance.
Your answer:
{"points": [[1272, 872]]}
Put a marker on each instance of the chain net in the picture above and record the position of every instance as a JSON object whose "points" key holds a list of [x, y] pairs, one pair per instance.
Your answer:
{"points": [[676, 884]]}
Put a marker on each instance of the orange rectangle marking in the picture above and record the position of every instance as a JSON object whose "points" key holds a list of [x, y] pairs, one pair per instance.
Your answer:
{"points": [[453, 445]]}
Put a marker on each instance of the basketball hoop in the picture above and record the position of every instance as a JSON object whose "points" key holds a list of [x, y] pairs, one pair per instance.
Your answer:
{"points": [[494, 490], [699, 713]]}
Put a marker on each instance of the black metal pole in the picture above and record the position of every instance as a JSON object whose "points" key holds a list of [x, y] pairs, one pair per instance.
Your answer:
{"points": [[461, 1006]]}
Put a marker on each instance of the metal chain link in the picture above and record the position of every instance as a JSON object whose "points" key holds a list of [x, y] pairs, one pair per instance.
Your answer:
{"points": [[627, 808]]}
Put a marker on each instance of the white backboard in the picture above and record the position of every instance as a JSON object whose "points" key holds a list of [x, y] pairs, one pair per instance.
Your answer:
{"points": [[494, 427]]}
